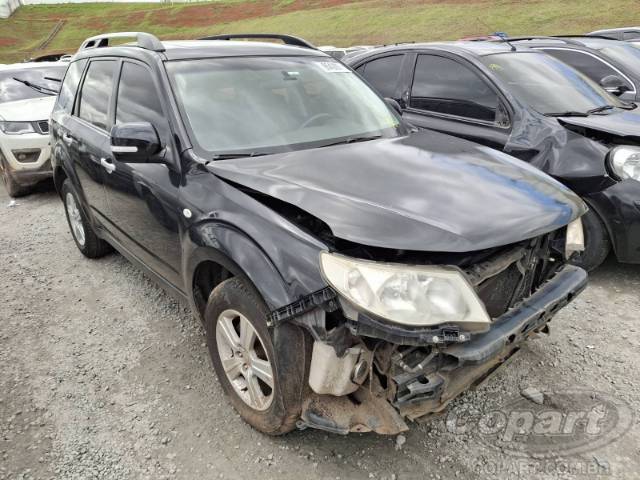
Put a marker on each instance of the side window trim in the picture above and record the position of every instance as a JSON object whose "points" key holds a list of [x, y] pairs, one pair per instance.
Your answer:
{"points": [[78, 99], [502, 101], [622, 75]]}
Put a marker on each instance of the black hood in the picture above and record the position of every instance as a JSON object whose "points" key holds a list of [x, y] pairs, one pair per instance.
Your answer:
{"points": [[424, 192], [621, 124]]}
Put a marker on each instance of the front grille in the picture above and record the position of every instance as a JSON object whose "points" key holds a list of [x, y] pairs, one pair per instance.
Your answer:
{"points": [[540, 261], [43, 127]]}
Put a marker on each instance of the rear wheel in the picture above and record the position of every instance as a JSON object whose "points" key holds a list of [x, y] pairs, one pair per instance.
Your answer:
{"points": [[14, 189], [262, 374], [83, 234], [596, 240]]}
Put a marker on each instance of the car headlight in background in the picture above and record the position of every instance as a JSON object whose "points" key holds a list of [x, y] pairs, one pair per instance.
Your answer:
{"points": [[417, 296], [625, 162], [16, 128]]}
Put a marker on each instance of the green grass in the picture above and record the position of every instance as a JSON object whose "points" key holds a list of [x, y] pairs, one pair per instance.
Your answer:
{"points": [[343, 23]]}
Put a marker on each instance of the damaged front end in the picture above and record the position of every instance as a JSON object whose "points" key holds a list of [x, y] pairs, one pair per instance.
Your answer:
{"points": [[370, 373]]}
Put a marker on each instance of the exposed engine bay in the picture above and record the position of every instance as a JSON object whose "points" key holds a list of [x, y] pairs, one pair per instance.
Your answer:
{"points": [[368, 375]]}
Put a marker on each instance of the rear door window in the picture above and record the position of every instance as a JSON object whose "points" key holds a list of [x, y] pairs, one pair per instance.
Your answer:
{"points": [[591, 66], [383, 73], [96, 93], [442, 85]]}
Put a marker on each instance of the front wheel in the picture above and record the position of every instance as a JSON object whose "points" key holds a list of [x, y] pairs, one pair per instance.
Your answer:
{"points": [[89, 244], [14, 189], [262, 374], [596, 242]]}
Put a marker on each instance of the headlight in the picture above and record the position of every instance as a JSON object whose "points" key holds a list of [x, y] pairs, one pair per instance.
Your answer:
{"points": [[409, 295], [16, 128], [625, 162]]}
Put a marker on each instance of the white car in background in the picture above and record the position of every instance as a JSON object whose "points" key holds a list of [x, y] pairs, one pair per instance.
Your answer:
{"points": [[27, 96]]}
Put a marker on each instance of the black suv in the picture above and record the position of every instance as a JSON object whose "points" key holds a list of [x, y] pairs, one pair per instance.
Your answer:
{"points": [[533, 106], [349, 274]]}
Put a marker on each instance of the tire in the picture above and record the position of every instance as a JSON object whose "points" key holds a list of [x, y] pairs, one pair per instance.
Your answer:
{"points": [[89, 244], [14, 189], [597, 242], [234, 303]]}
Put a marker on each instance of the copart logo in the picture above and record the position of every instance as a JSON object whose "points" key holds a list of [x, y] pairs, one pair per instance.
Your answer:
{"points": [[558, 423]]}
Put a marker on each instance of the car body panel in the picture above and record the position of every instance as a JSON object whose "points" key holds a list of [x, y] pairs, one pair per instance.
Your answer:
{"points": [[388, 208]]}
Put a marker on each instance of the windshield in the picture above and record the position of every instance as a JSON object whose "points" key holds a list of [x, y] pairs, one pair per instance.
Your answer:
{"points": [[627, 55], [548, 85], [275, 104], [12, 90]]}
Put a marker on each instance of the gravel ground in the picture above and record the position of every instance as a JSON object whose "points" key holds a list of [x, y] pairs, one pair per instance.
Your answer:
{"points": [[105, 376]]}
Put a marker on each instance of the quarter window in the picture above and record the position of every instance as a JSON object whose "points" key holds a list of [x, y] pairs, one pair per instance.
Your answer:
{"points": [[588, 65], [70, 85], [383, 74], [443, 85], [138, 100], [96, 92]]}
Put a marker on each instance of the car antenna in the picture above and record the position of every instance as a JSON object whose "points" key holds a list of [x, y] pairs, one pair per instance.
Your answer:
{"points": [[501, 35]]}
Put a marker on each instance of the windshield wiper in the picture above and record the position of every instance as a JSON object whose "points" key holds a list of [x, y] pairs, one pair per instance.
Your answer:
{"points": [[364, 138], [37, 88], [601, 109], [229, 156], [569, 113]]}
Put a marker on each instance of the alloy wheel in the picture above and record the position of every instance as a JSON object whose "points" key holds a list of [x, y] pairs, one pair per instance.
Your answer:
{"points": [[75, 219], [244, 359]]}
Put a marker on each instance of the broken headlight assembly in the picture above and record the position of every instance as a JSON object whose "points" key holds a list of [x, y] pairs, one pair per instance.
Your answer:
{"points": [[624, 161], [415, 296]]}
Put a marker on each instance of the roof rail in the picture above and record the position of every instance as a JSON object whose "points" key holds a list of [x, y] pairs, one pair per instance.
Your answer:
{"points": [[143, 40], [537, 37], [603, 37], [286, 39]]}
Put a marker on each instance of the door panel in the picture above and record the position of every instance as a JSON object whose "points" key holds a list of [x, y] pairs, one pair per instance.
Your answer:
{"points": [[87, 137], [142, 197], [453, 98]]}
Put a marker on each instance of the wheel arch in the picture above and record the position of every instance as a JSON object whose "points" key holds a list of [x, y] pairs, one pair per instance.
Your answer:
{"points": [[217, 252]]}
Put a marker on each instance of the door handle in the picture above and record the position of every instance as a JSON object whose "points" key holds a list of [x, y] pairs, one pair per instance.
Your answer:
{"points": [[66, 138], [108, 165]]}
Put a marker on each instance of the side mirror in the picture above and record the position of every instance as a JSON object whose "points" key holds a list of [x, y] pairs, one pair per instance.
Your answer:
{"points": [[134, 142], [614, 84], [394, 105]]}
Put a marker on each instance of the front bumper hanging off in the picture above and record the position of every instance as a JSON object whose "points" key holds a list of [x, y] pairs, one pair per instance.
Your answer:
{"points": [[467, 363]]}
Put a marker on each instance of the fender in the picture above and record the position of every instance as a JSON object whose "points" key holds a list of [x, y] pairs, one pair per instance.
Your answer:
{"points": [[240, 255]]}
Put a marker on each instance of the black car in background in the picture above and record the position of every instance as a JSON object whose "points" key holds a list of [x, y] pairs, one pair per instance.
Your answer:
{"points": [[349, 274], [612, 64], [534, 107]]}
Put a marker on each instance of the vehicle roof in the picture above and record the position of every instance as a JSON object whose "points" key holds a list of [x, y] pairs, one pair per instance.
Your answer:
{"points": [[594, 43], [185, 49], [478, 49]]}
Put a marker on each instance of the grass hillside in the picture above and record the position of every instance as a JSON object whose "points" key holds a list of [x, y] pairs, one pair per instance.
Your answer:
{"points": [[30, 30]]}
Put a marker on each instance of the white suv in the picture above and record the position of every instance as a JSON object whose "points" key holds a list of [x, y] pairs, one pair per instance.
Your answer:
{"points": [[27, 96]]}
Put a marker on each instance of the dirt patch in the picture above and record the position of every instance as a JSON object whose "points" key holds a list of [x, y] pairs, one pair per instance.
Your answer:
{"points": [[209, 15], [7, 41]]}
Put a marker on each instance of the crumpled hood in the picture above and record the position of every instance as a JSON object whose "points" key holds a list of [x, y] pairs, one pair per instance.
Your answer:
{"points": [[623, 124], [425, 192], [30, 110]]}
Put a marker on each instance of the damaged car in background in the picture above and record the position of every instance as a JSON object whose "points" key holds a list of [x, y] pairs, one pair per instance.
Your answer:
{"points": [[351, 274], [534, 107]]}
